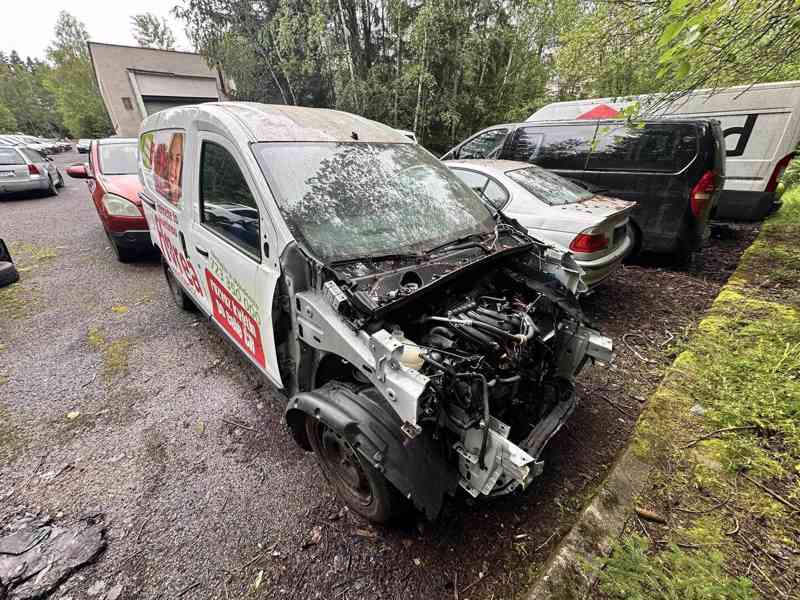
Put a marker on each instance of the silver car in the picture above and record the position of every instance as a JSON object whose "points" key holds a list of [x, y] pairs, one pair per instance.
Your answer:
{"points": [[23, 169], [83, 146], [594, 228]]}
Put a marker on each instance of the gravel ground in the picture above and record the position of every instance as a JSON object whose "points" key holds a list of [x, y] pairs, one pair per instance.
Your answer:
{"points": [[179, 446]]}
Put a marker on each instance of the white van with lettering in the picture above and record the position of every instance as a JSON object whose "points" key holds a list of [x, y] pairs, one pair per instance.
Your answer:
{"points": [[425, 343], [761, 125]]}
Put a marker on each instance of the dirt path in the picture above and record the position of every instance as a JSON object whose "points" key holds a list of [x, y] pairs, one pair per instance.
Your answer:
{"points": [[181, 447]]}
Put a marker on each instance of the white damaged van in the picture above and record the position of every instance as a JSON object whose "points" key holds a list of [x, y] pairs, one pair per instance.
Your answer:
{"points": [[425, 344]]}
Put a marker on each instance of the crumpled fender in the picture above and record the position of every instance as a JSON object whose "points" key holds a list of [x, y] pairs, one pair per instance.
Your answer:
{"points": [[416, 467]]}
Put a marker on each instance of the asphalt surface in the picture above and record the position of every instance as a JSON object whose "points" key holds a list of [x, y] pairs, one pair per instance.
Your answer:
{"points": [[116, 405]]}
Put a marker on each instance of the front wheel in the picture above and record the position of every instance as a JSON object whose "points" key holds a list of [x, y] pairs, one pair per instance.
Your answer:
{"points": [[180, 297], [359, 485]]}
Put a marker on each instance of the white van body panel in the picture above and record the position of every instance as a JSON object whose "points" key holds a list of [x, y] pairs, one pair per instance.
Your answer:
{"points": [[761, 123], [233, 286]]}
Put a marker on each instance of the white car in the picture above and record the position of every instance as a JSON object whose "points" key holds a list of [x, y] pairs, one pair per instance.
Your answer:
{"points": [[595, 228]]}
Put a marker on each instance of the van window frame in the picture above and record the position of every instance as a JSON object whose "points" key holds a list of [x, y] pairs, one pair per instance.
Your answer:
{"points": [[247, 253], [542, 129]]}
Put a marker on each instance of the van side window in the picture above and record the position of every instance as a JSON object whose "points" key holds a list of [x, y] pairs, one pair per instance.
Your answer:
{"points": [[226, 205], [662, 147], [482, 145], [560, 147]]}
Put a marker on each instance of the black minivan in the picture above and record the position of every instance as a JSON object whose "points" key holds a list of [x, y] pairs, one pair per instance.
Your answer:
{"points": [[673, 169]]}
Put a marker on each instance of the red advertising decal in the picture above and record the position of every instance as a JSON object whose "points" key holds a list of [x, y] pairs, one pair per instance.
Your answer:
{"points": [[166, 228], [232, 316], [601, 111]]}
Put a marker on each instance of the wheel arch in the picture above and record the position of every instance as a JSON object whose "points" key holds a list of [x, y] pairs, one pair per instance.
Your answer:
{"points": [[416, 467]]}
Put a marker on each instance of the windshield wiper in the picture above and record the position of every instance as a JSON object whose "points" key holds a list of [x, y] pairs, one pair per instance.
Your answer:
{"points": [[471, 240], [378, 258]]}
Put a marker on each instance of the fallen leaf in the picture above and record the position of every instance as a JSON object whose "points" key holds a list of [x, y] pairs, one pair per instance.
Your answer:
{"points": [[200, 427], [315, 537], [365, 533], [120, 309], [417, 562], [73, 414], [259, 579]]}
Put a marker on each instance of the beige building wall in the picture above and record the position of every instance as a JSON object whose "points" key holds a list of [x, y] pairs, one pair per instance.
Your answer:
{"points": [[135, 82]]}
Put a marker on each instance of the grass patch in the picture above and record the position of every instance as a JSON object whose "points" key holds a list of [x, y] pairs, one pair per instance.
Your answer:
{"points": [[634, 573], [10, 441], [726, 480], [16, 302], [115, 353]]}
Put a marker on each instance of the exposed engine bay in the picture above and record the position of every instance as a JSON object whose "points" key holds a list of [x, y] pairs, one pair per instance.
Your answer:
{"points": [[476, 356], [498, 362]]}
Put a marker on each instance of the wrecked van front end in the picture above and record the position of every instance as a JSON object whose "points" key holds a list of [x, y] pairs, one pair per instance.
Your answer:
{"points": [[434, 346]]}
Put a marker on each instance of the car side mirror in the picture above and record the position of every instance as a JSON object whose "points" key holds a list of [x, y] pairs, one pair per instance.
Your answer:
{"points": [[78, 172]]}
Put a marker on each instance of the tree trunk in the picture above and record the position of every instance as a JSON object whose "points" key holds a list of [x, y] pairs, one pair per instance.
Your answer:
{"points": [[419, 82]]}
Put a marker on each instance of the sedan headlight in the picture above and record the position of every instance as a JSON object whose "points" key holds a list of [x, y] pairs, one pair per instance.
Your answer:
{"points": [[120, 207]]}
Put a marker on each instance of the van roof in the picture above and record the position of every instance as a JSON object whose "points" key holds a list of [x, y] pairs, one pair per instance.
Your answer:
{"points": [[646, 121], [284, 123]]}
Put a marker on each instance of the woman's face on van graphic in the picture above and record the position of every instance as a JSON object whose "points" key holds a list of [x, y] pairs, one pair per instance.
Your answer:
{"points": [[175, 159]]}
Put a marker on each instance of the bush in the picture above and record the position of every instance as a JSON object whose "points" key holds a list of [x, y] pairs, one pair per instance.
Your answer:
{"points": [[791, 176]]}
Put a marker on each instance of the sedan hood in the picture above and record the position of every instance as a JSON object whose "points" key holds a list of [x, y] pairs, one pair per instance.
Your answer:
{"points": [[127, 186]]}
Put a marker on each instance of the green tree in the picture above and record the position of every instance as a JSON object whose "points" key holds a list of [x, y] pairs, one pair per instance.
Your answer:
{"points": [[8, 124], [151, 31], [716, 43], [24, 95], [72, 83]]}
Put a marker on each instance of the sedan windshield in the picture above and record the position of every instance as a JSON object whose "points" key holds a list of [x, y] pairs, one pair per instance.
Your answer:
{"points": [[548, 187], [348, 200], [118, 159]]}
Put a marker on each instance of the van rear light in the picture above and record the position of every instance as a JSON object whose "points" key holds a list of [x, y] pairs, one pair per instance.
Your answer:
{"points": [[777, 172], [702, 192], [587, 242], [33, 170]]}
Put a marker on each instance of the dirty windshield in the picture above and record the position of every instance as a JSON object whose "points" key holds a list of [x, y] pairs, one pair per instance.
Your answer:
{"points": [[548, 187], [351, 200]]}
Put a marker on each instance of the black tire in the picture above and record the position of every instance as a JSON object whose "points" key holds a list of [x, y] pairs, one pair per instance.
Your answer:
{"points": [[180, 297], [124, 255], [52, 190], [8, 273], [358, 484]]}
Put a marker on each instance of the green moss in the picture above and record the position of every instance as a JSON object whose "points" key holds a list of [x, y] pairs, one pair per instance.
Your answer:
{"points": [[10, 440], [115, 353], [95, 338], [16, 302], [742, 365], [634, 572], [115, 358]]}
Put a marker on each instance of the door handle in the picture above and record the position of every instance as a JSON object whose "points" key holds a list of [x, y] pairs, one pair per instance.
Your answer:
{"points": [[201, 251]]}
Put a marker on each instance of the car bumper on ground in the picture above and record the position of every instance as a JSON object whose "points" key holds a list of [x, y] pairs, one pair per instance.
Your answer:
{"points": [[25, 185], [596, 271]]}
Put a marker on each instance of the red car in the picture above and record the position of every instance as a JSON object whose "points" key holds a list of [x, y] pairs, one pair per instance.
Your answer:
{"points": [[114, 185]]}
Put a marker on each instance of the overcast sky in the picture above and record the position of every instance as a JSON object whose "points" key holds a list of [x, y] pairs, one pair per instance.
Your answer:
{"points": [[27, 26]]}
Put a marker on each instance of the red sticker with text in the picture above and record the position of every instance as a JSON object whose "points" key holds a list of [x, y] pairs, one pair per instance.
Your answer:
{"points": [[232, 316]]}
